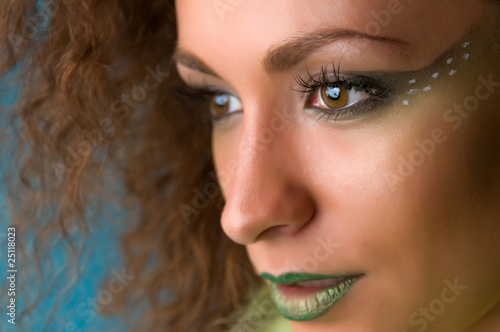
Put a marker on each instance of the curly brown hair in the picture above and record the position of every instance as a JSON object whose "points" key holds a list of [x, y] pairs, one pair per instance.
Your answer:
{"points": [[97, 80]]}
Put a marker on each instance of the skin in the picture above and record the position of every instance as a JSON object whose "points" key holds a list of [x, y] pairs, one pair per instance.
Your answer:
{"points": [[313, 181]]}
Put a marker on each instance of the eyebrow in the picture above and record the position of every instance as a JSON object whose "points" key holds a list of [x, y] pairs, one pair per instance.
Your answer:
{"points": [[296, 49], [289, 52], [192, 61]]}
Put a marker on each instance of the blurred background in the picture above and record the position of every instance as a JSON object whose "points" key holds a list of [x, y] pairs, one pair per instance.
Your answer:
{"points": [[65, 297]]}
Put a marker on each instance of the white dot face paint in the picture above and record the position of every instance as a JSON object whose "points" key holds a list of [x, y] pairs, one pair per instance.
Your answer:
{"points": [[436, 75]]}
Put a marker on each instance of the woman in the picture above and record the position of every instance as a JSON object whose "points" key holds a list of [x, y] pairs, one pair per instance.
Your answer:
{"points": [[356, 145]]}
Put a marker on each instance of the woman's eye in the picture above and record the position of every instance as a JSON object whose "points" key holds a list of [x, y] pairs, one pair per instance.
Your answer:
{"points": [[223, 104], [335, 97]]}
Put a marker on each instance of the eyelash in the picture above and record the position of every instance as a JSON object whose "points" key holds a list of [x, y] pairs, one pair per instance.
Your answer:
{"points": [[378, 93], [194, 96]]}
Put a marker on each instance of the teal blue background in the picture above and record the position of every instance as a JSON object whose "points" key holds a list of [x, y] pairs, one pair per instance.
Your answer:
{"points": [[101, 252]]}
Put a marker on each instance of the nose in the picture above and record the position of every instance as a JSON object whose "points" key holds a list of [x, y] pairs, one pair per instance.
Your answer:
{"points": [[266, 195]]}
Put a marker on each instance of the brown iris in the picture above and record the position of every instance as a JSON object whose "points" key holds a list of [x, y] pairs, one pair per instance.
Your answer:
{"points": [[335, 97], [219, 105]]}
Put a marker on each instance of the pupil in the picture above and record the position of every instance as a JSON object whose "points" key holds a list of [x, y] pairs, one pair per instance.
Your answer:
{"points": [[333, 92], [221, 100]]}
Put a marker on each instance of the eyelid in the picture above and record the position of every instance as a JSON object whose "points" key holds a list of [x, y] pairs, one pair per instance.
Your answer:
{"points": [[197, 80], [193, 96], [356, 82], [204, 91]]}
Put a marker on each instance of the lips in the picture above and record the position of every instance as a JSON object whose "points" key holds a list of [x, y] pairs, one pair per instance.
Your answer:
{"points": [[325, 283], [302, 297], [308, 287]]}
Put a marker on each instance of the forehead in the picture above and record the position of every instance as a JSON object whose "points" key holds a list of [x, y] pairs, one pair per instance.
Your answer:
{"points": [[234, 33]]}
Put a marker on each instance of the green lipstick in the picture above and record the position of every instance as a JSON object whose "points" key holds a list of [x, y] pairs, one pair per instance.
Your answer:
{"points": [[303, 296]]}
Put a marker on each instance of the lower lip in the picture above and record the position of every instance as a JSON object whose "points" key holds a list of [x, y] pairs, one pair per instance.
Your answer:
{"points": [[306, 303]]}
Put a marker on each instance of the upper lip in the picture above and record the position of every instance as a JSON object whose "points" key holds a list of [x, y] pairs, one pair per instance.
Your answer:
{"points": [[294, 277]]}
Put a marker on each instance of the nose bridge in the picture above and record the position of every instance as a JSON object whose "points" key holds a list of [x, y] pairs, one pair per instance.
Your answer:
{"points": [[262, 193], [265, 129], [258, 158], [258, 142]]}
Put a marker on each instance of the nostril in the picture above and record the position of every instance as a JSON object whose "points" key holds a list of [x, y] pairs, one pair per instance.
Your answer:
{"points": [[280, 230]]}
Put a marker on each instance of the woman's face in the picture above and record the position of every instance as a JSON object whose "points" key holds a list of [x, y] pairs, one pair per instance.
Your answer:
{"points": [[357, 139]]}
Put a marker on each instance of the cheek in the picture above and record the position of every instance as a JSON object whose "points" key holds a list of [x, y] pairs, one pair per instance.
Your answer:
{"points": [[407, 183], [443, 198]]}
